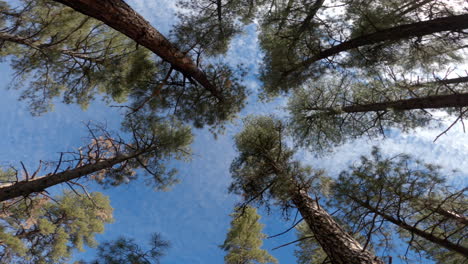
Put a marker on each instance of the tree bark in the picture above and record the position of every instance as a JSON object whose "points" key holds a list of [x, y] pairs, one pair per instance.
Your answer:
{"points": [[452, 23], [413, 229], [428, 102], [340, 247], [120, 16], [25, 188]]}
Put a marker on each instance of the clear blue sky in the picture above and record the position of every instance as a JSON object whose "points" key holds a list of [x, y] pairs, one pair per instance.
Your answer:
{"points": [[193, 215]]}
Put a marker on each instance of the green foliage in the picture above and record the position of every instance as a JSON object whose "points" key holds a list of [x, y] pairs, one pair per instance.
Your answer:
{"points": [[409, 191], [126, 250], [319, 121], [61, 52], [211, 25], [308, 250], [153, 143], [265, 169], [244, 239], [192, 103], [40, 230], [288, 32], [56, 51], [294, 33]]}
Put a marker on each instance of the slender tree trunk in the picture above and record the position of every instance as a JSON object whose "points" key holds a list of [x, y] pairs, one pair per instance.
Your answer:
{"points": [[428, 102], [450, 214], [414, 230], [446, 81], [310, 16], [25, 188], [340, 247], [452, 23], [120, 16]]}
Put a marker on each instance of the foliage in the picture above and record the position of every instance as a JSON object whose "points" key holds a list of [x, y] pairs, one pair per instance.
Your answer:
{"points": [[44, 230], [59, 52], [410, 195], [56, 51], [308, 250], [211, 25], [323, 115], [265, 168], [244, 239], [126, 250], [294, 35]]}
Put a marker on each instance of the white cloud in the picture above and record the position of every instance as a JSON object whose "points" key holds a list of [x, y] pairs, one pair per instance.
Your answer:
{"points": [[449, 151], [161, 13]]}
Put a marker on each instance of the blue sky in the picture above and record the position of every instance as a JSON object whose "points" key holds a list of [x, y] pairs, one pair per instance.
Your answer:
{"points": [[193, 215]]}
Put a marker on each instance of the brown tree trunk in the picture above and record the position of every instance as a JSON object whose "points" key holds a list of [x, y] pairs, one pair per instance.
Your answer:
{"points": [[414, 230], [310, 16], [120, 16], [27, 187], [339, 246], [428, 102], [452, 23], [450, 214]]}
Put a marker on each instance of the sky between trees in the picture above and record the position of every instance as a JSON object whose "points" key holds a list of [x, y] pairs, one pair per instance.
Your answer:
{"points": [[417, 141]]}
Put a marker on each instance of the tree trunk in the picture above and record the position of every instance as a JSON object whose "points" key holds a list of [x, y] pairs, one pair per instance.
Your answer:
{"points": [[414, 230], [27, 187], [120, 16], [339, 246], [452, 23], [428, 102]]}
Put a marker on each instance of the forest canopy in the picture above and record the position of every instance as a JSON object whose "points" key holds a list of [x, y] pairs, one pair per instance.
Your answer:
{"points": [[304, 125]]}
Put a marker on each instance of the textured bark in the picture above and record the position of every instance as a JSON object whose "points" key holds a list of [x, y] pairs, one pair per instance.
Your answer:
{"points": [[450, 214], [452, 23], [120, 16], [339, 246], [32, 44], [413, 229], [25, 188], [428, 102]]}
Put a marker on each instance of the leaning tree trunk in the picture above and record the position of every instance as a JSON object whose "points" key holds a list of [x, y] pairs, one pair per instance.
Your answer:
{"points": [[339, 246], [27, 187], [428, 102], [445, 243], [452, 23], [120, 16]]}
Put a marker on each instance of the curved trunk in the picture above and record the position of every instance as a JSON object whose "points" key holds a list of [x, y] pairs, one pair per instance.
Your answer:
{"points": [[120, 16], [428, 102], [339, 246], [452, 23]]}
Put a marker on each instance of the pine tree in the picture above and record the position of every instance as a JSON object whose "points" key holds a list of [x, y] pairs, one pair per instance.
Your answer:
{"points": [[56, 51], [47, 230], [308, 249], [305, 40], [339, 108], [410, 195], [111, 161], [266, 171], [244, 239], [126, 250], [210, 25]]}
